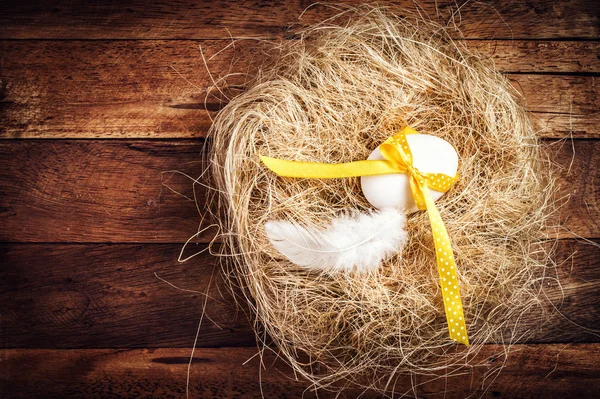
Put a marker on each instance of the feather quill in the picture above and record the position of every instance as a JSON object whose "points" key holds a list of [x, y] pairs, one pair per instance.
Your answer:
{"points": [[356, 242]]}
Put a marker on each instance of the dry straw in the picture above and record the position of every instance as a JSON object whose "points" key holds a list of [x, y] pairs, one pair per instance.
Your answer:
{"points": [[332, 96]]}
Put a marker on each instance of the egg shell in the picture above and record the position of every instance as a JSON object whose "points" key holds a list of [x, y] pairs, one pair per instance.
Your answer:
{"points": [[431, 154]]}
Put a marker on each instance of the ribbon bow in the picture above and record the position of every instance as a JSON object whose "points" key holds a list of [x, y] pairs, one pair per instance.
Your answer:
{"points": [[398, 159]]}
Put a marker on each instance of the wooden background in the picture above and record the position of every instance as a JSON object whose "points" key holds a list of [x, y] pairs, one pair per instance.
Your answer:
{"points": [[97, 99]]}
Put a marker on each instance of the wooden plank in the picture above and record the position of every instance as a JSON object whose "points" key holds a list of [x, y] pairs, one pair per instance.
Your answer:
{"points": [[537, 371], [109, 89], [111, 191], [573, 288], [561, 106], [540, 56], [578, 183], [107, 296], [158, 89], [98, 191], [103, 296], [220, 19]]}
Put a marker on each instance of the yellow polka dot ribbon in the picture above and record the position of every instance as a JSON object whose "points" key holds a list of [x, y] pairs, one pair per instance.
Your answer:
{"points": [[398, 159]]}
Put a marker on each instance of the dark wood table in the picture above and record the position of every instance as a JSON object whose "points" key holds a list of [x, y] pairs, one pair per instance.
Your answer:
{"points": [[100, 100]]}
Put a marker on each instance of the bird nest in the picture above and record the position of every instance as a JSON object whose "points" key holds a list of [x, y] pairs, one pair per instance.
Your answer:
{"points": [[332, 96]]}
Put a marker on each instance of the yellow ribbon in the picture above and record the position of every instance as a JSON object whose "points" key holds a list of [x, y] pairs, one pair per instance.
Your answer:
{"points": [[398, 159]]}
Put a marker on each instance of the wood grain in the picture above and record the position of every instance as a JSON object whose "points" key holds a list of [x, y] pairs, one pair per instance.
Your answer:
{"points": [[112, 191], [158, 89], [133, 19], [108, 296], [529, 371]]}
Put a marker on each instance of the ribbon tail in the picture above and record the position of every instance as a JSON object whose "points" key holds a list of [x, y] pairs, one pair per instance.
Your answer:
{"points": [[316, 170], [447, 272]]}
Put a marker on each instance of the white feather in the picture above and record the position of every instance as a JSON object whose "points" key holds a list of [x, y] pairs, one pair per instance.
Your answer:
{"points": [[351, 243]]}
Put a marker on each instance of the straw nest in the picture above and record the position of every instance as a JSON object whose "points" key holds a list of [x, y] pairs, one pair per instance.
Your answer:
{"points": [[332, 96]]}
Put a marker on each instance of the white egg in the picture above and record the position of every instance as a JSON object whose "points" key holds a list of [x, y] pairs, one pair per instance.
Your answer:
{"points": [[431, 154]]}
